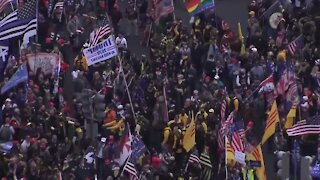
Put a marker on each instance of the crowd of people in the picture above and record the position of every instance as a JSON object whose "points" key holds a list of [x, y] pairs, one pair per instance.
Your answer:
{"points": [[188, 76]]}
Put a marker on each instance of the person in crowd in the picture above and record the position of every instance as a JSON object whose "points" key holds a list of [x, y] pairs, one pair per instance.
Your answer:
{"points": [[193, 84]]}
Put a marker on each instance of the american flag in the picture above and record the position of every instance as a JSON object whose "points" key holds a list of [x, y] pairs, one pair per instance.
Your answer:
{"points": [[100, 33], [227, 125], [286, 79], [292, 92], [221, 139], [236, 142], [223, 111], [296, 45], [239, 127], [129, 167], [237, 136], [163, 7], [20, 13], [309, 126], [3, 4], [23, 21]]}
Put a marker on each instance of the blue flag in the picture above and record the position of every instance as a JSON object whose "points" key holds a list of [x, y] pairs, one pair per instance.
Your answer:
{"points": [[138, 148], [21, 75]]}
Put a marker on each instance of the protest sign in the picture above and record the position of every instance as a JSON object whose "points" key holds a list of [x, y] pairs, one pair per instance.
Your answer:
{"points": [[101, 52], [46, 61]]}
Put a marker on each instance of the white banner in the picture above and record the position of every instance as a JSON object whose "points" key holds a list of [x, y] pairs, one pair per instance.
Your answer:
{"points": [[100, 52], [240, 157], [46, 61]]}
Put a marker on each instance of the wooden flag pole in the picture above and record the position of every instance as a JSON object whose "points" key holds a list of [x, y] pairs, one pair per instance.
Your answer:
{"points": [[125, 82]]}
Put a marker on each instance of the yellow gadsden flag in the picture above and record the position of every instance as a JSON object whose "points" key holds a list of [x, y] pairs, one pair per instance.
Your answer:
{"points": [[256, 155], [243, 48], [291, 115], [189, 139], [273, 119]]}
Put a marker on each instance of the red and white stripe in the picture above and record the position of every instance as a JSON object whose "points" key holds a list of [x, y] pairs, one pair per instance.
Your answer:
{"points": [[129, 167], [221, 139], [295, 45], [286, 79], [163, 8], [292, 91], [242, 133], [302, 128], [236, 142], [3, 4], [98, 34], [194, 159], [223, 111], [226, 126], [266, 81]]}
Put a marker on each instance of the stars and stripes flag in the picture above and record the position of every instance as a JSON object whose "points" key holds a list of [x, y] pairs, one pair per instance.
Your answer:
{"points": [[223, 111], [296, 45], [163, 8], [286, 79], [292, 92], [238, 134], [23, 21], [3, 4], [206, 166], [220, 136], [100, 33], [309, 126], [227, 125], [236, 142], [130, 168]]}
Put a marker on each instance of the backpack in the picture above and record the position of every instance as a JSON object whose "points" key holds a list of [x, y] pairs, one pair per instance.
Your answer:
{"points": [[5, 133]]}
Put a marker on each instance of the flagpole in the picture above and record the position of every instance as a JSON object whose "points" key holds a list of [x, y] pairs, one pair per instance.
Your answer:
{"points": [[11, 6], [125, 83], [165, 99], [185, 169], [149, 35], [226, 159], [174, 14], [121, 69]]}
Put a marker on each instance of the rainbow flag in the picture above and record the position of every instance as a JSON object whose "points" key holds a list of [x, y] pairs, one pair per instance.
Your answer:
{"points": [[198, 6]]}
